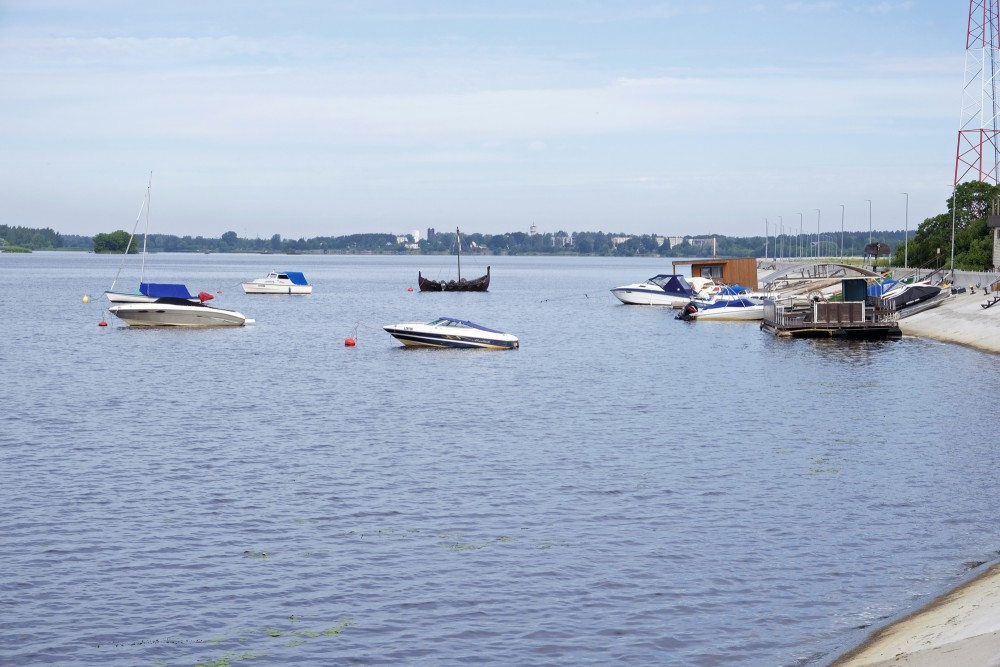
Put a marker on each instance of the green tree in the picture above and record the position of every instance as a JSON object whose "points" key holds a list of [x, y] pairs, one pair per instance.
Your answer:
{"points": [[115, 242], [968, 208], [228, 242]]}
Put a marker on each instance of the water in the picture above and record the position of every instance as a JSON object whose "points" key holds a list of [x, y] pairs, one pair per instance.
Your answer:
{"points": [[625, 488]]}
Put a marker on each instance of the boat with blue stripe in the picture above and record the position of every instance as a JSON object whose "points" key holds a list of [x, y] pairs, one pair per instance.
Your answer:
{"points": [[451, 332]]}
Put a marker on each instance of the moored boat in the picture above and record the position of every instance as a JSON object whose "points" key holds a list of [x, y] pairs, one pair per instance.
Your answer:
{"points": [[176, 312], [451, 332], [151, 292], [147, 292], [723, 308], [278, 282], [480, 284], [911, 298], [664, 289]]}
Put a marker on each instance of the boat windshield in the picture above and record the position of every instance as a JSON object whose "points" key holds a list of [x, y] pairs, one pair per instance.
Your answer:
{"points": [[449, 322]]}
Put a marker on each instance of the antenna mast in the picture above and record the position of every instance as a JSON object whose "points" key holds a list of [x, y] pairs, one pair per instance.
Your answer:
{"points": [[978, 153]]}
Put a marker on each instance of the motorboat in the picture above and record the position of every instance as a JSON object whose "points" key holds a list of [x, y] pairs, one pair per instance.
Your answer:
{"points": [[451, 332], [732, 302], [723, 308], [150, 292], [175, 312], [279, 282], [911, 298], [664, 289]]}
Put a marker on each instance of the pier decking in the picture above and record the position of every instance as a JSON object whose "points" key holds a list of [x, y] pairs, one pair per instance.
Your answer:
{"points": [[853, 319]]}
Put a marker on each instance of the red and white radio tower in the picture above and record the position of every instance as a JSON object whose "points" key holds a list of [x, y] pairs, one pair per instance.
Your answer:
{"points": [[978, 155]]}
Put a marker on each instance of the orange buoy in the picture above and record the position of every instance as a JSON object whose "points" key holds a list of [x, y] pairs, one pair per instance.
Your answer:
{"points": [[102, 323], [349, 342], [409, 289]]}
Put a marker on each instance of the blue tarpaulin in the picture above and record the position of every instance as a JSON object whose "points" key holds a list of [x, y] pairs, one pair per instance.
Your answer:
{"points": [[165, 290], [296, 277]]}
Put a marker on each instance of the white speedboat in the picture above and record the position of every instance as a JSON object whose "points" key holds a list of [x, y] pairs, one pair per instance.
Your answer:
{"points": [[451, 332], [172, 312], [665, 289], [724, 306], [738, 308], [279, 282]]}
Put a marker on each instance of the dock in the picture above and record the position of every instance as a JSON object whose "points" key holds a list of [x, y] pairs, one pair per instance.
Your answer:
{"points": [[857, 316]]}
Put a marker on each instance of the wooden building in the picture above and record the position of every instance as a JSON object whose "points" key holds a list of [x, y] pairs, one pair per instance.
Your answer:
{"points": [[732, 271]]}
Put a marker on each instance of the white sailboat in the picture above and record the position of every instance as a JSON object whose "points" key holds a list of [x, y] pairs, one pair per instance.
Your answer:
{"points": [[147, 292]]}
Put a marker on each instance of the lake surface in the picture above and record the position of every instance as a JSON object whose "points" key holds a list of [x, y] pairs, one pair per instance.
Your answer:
{"points": [[625, 488]]}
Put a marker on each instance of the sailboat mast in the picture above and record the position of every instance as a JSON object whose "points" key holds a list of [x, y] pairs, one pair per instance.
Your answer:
{"points": [[145, 234], [458, 239]]}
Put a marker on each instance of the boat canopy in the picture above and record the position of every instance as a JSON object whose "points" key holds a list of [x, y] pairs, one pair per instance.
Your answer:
{"points": [[296, 277], [880, 288], [740, 302], [734, 290], [672, 283], [455, 322], [165, 290]]}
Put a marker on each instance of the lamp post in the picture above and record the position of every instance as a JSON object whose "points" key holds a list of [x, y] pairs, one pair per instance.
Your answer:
{"points": [[841, 231], [765, 237], [869, 221], [798, 237], [817, 233], [954, 208], [781, 224], [906, 232]]}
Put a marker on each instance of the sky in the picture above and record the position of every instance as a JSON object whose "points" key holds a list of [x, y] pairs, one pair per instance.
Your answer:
{"points": [[325, 118]]}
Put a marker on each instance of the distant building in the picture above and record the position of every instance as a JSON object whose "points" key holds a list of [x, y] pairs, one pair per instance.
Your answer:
{"points": [[532, 230], [416, 236], [675, 241], [704, 242]]}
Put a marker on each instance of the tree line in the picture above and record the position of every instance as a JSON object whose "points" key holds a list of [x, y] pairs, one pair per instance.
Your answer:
{"points": [[929, 245]]}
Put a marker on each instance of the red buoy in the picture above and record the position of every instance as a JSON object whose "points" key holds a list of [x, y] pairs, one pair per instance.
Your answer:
{"points": [[349, 342], [409, 289], [102, 323]]}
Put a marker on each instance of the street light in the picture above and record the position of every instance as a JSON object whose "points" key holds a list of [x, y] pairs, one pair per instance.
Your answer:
{"points": [[798, 237], [781, 223], [869, 221], [841, 231], [906, 232], [817, 233], [954, 207]]}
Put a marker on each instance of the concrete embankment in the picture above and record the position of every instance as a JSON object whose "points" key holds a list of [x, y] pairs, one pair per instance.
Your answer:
{"points": [[961, 628], [960, 319]]}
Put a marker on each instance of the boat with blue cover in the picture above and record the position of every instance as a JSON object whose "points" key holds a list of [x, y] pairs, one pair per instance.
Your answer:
{"points": [[279, 282], [451, 332], [664, 289], [733, 302], [150, 292]]}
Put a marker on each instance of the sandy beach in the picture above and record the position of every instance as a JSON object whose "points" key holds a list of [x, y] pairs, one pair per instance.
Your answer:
{"points": [[962, 627]]}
